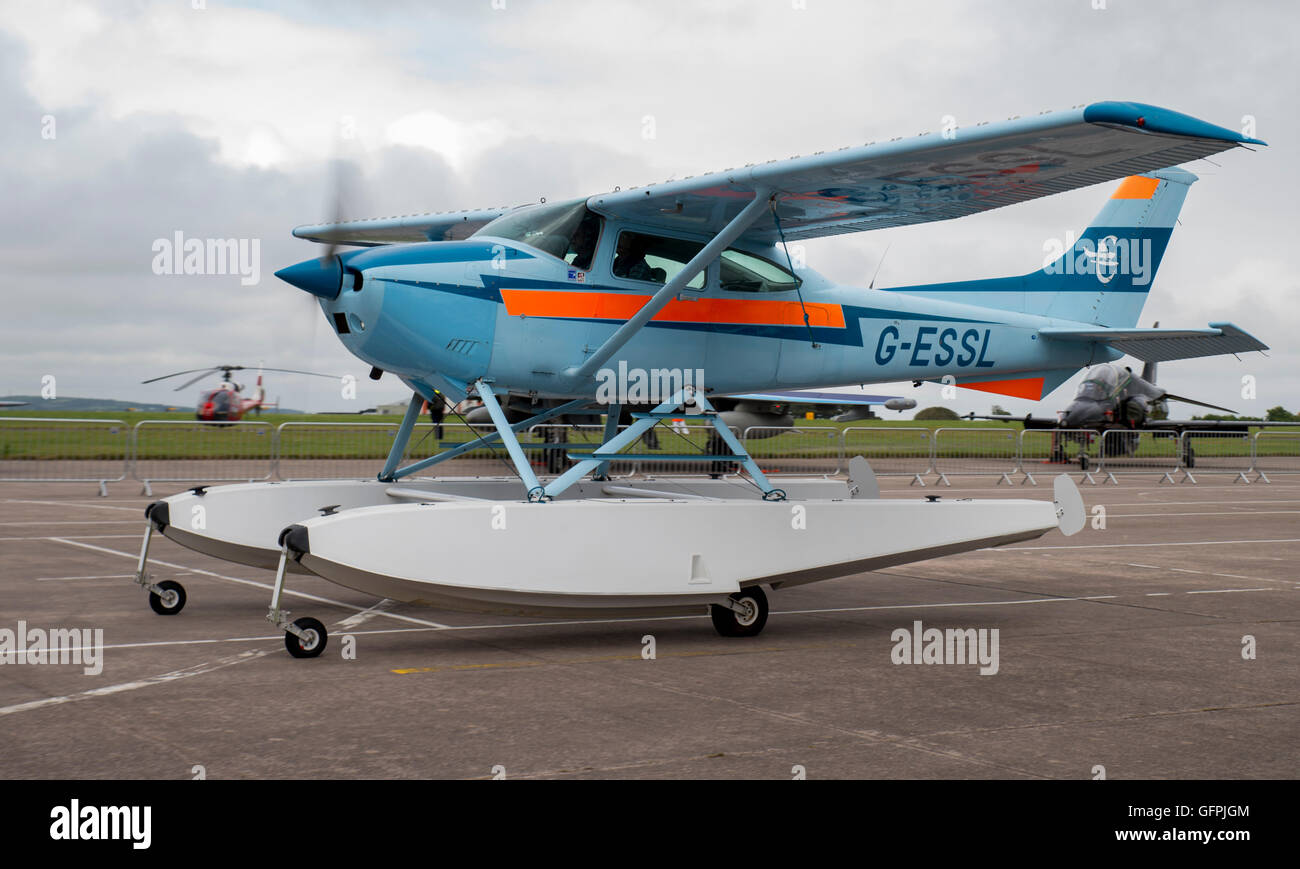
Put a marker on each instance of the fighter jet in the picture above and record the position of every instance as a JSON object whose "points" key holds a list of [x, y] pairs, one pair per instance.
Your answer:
{"points": [[1111, 397]]}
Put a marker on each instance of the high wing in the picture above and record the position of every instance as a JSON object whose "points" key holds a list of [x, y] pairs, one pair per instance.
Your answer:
{"points": [[807, 396], [1163, 345], [439, 226], [931, 176]]}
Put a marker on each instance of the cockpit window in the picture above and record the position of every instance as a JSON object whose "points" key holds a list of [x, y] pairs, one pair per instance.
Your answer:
{"points": [[747, 273], [568, 231], [1092, 390]]}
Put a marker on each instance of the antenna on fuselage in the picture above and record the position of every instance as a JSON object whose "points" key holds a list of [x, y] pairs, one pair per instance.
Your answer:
{"points": [[872, 285]]}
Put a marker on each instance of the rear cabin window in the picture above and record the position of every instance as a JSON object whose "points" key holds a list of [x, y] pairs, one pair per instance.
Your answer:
{"points": [[746, 273]]}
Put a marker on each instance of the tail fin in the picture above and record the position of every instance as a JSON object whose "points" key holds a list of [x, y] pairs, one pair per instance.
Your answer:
{"points": [[1105, 276], [1102, 277]]}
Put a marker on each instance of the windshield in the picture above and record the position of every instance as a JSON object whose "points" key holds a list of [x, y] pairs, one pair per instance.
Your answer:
{"points": [[568, 231], [1102, 383]]}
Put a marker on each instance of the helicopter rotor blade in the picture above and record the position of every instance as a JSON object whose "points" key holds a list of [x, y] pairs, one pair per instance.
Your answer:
{"points": [[179, 373], [195, 379]]}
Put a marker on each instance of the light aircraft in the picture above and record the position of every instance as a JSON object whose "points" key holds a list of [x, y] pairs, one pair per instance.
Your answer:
{"points": [[689, 284], [1111, 398], [225, 403]]}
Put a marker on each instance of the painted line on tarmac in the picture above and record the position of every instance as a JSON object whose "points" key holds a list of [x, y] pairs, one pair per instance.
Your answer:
{"points": [[69, 578], [1134, 545], [174, 675], [252, 582], [636, 620], [1282, 582], [75, 522], [77, 504], [78, 536], [1216, 513]]}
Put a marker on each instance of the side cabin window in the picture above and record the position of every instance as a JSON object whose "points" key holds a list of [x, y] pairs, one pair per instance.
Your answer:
{"points": [[655, 259], [746, 273]]}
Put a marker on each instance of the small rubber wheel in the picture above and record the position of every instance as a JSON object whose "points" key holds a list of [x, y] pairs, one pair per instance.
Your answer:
{"points": [[729, 623], [171, 601], [312, 645]]}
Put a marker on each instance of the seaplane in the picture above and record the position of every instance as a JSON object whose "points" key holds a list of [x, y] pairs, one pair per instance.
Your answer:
{"points": [[688, 291]]}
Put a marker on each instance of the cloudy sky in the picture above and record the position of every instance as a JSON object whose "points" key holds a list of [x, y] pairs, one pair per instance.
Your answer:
{"points": [[126, 122]]}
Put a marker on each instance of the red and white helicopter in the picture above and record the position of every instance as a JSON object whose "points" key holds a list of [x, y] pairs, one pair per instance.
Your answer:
{"points": [[226, 403]]}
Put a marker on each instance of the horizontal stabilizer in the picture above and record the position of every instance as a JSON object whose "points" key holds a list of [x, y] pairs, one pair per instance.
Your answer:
{"points": [[1163, 345]]}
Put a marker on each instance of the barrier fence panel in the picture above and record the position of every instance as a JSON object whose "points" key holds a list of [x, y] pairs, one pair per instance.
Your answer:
{"points": [[1276, 452], [677, 438], [892, 452], [330, 450], [1054, 451], [187, 451], [806, 450], [976, 451], [1140, 452], [1217, 452], [550, 443], [36, 449]]}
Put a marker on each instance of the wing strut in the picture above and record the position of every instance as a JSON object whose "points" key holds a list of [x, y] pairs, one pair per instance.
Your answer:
{"points": [[698, 263], [784, 246]]}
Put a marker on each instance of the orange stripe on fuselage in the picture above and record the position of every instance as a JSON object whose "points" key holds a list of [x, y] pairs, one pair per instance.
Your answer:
{"points": [[595, 305], [1136, 187], [1025, 387]]}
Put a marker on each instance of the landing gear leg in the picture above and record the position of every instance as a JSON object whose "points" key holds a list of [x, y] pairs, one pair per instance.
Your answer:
{"points": [[743, 615], [166, 598], [304, 638]]}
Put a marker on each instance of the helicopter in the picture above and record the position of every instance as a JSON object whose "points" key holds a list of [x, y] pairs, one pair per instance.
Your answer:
{"points": [[226, 403]]}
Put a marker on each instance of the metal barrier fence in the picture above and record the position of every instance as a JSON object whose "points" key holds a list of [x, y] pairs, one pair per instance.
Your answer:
{"points": [[1048, 450], [330, 450], [976, 451], [782, 451], [210, 453], [892, 452], [1144, 452], [40, 450], [549, 444], [1217, 452], [1275, 452]]}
